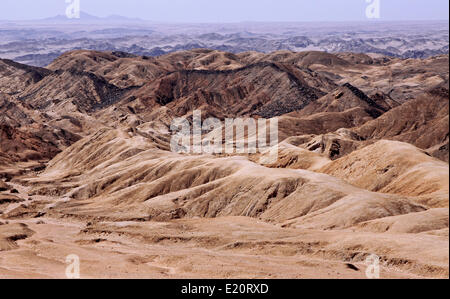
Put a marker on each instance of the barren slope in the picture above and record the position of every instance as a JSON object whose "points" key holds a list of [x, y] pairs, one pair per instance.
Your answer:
{"points": [[87, 167]]}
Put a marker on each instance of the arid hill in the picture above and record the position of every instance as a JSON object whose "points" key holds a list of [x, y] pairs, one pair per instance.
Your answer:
{"points": [[239, 92], [361, 166], [15, 77], [422, 122]]}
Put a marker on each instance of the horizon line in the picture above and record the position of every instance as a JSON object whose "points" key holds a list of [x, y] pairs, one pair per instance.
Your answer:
{"points": [[140, 20]]}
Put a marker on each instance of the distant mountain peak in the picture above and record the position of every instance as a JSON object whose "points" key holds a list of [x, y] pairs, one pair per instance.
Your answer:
{"points": [[86, 18]]}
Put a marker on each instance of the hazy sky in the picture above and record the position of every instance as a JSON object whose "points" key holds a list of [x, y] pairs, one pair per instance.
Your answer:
{"points": [[231, 10]]}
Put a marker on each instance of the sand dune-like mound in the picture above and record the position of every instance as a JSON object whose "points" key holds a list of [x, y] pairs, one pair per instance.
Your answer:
{"points": [[294, 157], [428, 221], [354, 209], [394, 167], [10, 233], [153, 184]]}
